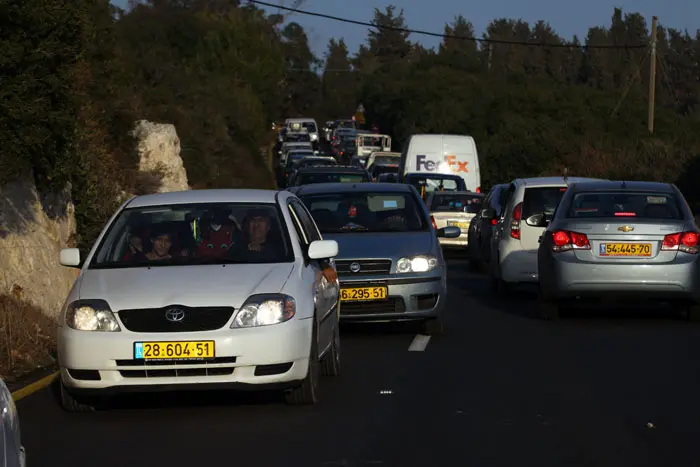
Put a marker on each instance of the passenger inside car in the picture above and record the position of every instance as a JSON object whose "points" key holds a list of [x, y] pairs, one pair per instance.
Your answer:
{"points": [[219, 232], [162, 241]]}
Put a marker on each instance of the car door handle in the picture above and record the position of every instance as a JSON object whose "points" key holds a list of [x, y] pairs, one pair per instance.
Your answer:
{"points": [[539, 240]]}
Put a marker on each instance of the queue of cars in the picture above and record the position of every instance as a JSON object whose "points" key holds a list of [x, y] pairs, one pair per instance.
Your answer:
{"points": [[583, 240]]}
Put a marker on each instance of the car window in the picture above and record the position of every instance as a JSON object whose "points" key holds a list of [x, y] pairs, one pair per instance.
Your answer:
{"points": [[317, 163], [456, 203], [544, 199], [192, 234], [366, 212], [625, 204], [310, 178], [310, 126], [306, 221]]}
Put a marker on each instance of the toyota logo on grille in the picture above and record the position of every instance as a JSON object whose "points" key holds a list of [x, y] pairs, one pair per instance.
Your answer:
{"points": [[175, 315], [355, 267]]}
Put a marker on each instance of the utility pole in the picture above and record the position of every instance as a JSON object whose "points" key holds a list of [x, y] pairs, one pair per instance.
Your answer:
{"points": [[652, 74], [490, 57]]}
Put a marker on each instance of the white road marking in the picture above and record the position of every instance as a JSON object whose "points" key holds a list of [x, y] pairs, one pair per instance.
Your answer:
{"points": [[420, 342]]}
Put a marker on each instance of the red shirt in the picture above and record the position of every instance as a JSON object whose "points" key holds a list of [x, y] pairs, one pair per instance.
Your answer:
{"points": [[216, 242]]}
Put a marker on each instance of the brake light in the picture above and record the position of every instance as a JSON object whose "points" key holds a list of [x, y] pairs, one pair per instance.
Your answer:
{"points": [[565, 240], [687, 242], [494, 221], [478, 189], [625, 214], [515, 223], [432, 221]]}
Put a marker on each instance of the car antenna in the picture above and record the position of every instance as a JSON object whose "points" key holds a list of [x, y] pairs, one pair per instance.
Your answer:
{"points": [[566, 175], [624, 184]]}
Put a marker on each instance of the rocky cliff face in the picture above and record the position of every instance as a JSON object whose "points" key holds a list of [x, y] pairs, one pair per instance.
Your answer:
{"points": [[34, 228]]}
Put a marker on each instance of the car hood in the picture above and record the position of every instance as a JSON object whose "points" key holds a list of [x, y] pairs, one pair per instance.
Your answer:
{"points": [[202, 285], [382, 245]]}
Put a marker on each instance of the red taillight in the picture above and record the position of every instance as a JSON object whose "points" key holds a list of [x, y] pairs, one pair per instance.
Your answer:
{"points": [[515, 223], [432, 221], [564, 240], [686, 242], [625, 214], [494, 221], [478, 189]]}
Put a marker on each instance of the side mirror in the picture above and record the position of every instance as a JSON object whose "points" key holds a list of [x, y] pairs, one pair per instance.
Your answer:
{"points": [[537, 220], [449, 232], [70, 257], [323, 249], [488, 213]]}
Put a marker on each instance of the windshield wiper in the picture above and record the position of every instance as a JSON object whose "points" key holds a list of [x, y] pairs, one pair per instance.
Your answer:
{"points": [[353, 227]]}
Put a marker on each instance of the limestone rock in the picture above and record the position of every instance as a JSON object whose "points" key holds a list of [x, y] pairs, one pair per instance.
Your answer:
{"points": [[158, 147], [33, 229]]}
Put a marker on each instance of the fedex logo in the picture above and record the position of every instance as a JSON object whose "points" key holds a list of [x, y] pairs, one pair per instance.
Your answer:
{"points": [[431, 166]]}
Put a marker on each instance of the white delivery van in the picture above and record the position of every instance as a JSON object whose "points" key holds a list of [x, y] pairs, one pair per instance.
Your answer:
{"points": [[442, 154], [303, 124]]}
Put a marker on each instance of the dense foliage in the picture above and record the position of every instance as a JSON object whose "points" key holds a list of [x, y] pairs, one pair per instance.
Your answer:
{"points": [[76, 74]]}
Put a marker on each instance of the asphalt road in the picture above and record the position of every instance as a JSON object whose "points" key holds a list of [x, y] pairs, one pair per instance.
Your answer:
{"points": [[499, 389]]}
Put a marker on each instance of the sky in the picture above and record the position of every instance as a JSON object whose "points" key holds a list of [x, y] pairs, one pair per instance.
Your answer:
{"points": [[567, 17]]}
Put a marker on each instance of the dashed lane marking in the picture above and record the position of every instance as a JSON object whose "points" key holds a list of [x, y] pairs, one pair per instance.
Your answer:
{"points": [[420, 342]]}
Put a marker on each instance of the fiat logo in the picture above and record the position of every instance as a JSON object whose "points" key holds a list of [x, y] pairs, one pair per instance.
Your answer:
{"points": [[175, 315], [355, 267]]}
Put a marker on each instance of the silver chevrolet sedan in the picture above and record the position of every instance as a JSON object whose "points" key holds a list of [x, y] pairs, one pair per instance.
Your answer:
{"points": [[390, 263], [11, 450], [631, 240]]}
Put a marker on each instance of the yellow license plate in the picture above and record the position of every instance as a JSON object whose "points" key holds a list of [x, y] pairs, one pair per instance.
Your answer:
{"points": [[625, 249], [363, 294], [175, 350], [461, 225]]}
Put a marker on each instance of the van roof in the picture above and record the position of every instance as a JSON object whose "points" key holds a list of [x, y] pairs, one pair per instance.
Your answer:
{"points": [[553, 181]]}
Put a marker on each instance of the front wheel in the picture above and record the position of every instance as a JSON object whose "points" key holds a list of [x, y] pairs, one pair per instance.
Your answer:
{"points": [[72, 403], [330, 364]]}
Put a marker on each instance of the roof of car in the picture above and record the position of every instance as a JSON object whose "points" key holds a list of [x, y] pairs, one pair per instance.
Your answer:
{"points": [[332, 168], [471, 193], [658, 187], [318, 188], [554, 181], [205, 196]]}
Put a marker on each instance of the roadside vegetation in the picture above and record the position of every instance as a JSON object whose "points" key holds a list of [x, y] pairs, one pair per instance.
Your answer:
{"points": [[76, 74]]}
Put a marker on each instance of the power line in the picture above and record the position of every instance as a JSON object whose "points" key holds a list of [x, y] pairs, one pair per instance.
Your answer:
{"points": [[449, 36]]}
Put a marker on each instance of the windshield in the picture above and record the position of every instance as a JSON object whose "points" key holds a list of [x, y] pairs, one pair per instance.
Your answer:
{"points": [[457, 203], [346, 124], [294, 158], [386, 160], [310, 127], [301, 154], [374, 141], [366, 212], [538, 200], [192, 234], [317, 163], [310, 178], [384, 169], [298, 137], [625, 204]]}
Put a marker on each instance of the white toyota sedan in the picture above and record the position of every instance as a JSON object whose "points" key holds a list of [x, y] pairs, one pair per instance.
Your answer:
{"points": [[201, 289]]}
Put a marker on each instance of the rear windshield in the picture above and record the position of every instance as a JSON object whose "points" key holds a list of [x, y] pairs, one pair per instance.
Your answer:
{"points": [[427, 183], [317, 163], [457, 203], [538, 200], [625, 204], [298, 137], [309, 178]]}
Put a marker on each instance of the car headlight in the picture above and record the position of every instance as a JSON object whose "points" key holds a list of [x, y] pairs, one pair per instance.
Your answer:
{"points": [[314, 137], [264, 310], [91, 315], [422, 263]]}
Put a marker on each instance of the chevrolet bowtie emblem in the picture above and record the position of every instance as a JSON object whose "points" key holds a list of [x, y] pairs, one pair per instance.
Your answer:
{"points": [[626, 228]]}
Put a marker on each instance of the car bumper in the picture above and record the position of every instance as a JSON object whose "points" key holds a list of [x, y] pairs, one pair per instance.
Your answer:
{"points": [[408, 298], [566, 277], [459, 242], [276, 355]]}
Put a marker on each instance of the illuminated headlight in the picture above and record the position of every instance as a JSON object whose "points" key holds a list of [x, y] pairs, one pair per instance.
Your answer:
{"points": [[314, 137], [91, 315], [423, 263], [264, 310]]}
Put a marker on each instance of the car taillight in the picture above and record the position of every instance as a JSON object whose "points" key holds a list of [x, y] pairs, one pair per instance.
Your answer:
{"points": [[686, 242], [478, 189], [432, 221], [515, 223], [565, 240], [494, 221]]}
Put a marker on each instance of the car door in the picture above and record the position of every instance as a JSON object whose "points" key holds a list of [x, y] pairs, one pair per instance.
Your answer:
{"points": [[325, 293]]}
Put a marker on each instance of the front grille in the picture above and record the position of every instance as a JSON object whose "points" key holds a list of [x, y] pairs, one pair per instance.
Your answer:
{"points": [[367, 266], [392, 305], [194, 319], [146, 369]]}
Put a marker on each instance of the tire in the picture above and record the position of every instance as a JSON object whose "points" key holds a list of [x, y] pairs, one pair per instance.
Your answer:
{"points": [[71, 403], [500, 287], [330, 364], [434, 326], [307, 392], [693, 313]]}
